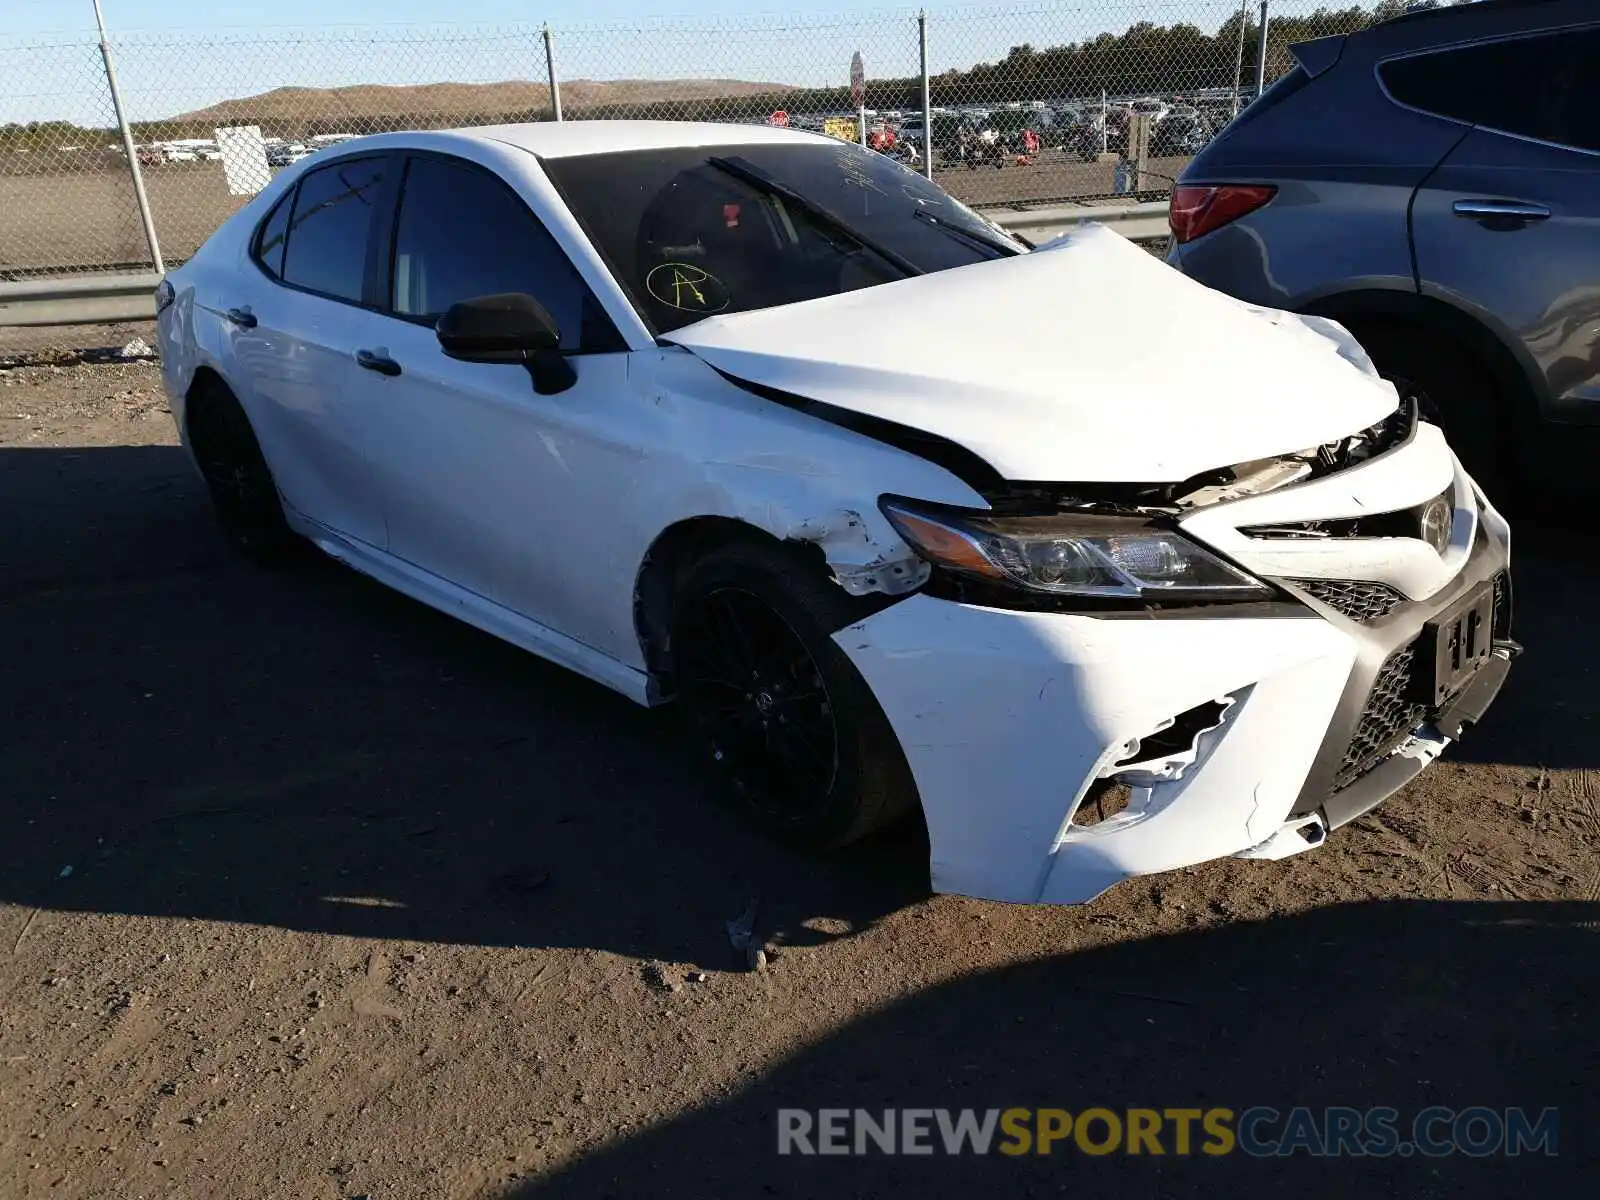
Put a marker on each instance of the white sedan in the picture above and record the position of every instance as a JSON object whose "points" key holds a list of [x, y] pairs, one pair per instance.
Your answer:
{"points": [[1100, 571]]}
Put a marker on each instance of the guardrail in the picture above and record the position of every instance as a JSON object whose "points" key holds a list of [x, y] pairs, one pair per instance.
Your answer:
{"points": [[81, 300], [125, 296], [1136, 222]]}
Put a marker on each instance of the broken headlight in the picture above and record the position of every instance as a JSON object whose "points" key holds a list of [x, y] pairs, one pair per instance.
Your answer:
{"points": [[1111, 557]]}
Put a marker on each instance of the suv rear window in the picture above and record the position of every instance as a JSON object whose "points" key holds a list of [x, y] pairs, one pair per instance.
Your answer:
{"points": [[1545, 87]]}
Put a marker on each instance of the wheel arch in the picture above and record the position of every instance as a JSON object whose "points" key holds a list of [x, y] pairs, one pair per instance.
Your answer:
{"points": [[205, 384], [1513, 374], [686, 541], [672, 552]]}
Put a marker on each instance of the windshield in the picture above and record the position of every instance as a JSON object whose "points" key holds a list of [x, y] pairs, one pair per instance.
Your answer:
{"points": [[692, 231]]}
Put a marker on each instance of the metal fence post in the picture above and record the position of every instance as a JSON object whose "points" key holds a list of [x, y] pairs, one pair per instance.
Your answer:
{"points": [[139, 196], [1139, 127], [1238, 57], [550, 71], [927, 101], [1261, 58]]}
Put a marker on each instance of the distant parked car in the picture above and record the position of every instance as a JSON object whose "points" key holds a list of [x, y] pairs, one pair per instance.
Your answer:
{"points": [[1009, 125], [283, 154], [881, 137], [322, 141], [1182, 131], [1433, 183], [1094, 132]]}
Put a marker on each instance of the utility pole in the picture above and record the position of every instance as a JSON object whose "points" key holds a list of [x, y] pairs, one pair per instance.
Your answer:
{"points": [[139, 196], [1261, 58], [1238, 58], [550, 73]]}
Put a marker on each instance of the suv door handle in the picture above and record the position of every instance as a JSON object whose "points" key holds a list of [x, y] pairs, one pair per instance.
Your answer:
{"points": [[242, 317], [380, 363], [1500, 210]]}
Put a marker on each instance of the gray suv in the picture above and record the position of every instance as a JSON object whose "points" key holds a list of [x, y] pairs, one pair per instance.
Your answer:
{"points": [[1433, 183]]}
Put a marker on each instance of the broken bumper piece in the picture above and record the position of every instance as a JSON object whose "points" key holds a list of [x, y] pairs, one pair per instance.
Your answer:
{"points": [[1009, 720]]}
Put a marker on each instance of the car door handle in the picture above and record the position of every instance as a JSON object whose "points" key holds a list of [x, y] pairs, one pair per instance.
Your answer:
{"points": [[1500, 210], [242, 317], [380, 363]]}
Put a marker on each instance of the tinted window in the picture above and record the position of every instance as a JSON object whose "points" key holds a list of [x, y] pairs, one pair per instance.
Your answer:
{"points": [[270, 239], [462, 233], [692, 231], [333, 210], [1575, 91], [1540, 87]]}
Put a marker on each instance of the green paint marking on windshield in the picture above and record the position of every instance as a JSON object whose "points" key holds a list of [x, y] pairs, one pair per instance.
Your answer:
{"points": [[686, 287]]}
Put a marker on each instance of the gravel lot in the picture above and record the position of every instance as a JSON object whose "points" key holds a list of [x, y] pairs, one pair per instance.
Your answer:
{"points": [[307, 891]]}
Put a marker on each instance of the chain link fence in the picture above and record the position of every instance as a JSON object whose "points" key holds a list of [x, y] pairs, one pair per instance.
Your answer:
{"points": [[1030, 103], [66, 197]]}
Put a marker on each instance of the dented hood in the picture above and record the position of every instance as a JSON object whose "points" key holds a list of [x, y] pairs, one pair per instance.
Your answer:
{"points": [[1090, 360]]}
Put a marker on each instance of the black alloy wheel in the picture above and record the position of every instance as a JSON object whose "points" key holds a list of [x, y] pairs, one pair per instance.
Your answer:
{"points": [[237, 476], [785, 717], [759, 699]]}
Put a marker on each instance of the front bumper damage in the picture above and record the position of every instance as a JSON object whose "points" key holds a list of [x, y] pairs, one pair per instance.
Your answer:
{"points": [[1009, 718]]}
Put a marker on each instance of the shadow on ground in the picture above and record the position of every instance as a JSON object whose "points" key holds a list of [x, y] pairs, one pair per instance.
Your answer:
{"points": [[1405, 1004], [197, 737]]}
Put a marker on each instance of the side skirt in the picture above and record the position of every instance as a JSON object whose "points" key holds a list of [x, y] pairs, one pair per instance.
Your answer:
{"points": [[479, 612]]}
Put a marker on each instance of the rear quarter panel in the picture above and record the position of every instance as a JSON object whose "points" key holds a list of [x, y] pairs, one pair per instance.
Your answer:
{"points": [[191, 332], [1345, 162]]}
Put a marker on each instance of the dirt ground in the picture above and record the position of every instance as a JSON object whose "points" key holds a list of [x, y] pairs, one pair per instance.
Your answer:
{"points": [[87, 220], [308, 891]]}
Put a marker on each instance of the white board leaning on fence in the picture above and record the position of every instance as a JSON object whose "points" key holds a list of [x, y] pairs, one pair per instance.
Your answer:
{"points": [[244, 159]]}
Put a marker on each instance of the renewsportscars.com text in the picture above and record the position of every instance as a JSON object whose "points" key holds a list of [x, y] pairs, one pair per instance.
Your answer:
{"points": [[1258, 1132]]}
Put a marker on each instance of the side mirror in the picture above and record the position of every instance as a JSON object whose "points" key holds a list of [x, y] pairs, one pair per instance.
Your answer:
{"points": [[508, 328]]}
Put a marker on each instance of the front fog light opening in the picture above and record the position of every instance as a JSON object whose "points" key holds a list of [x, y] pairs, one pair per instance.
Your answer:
{"points": [[1104, 800], [1170, 749], [1435, 523]]}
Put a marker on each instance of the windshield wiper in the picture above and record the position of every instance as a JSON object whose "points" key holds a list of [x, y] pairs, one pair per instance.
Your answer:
{"points": [[971, 235], [767, 185]]}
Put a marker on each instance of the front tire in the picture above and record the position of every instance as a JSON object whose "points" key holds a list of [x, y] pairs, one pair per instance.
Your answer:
{"points": [[785, 717], [242, 489]]}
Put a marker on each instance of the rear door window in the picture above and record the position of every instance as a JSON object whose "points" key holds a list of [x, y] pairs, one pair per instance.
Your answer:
{"points": [[333, 210], [1542, 87], [270, 237]]}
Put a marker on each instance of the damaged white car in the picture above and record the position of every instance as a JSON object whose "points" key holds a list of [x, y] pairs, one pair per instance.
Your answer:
{"points": [[715, 414]]}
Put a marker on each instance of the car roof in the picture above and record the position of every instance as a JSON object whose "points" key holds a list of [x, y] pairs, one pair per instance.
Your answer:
{"points": [[566, 139], [1482, 6]]}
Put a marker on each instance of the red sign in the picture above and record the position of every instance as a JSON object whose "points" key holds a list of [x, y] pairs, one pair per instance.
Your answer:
{"points": [[779, 118]]}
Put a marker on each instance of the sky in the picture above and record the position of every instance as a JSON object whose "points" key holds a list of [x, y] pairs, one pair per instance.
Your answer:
{"points": [[174, 57]]}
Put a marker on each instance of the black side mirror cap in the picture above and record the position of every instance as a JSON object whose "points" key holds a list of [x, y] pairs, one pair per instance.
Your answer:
{"points": [[509, 327]]}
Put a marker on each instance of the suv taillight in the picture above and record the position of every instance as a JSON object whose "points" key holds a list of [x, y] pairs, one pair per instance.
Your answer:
{"points": [[1197, 208]]}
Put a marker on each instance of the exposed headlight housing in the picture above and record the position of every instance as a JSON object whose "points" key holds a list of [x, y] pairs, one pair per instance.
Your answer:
{"points": [[1096, 556]]}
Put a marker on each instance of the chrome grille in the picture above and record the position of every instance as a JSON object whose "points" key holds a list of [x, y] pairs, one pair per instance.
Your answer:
{"points": [[1389, 715], [1353, 598], [1502, 605]]}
